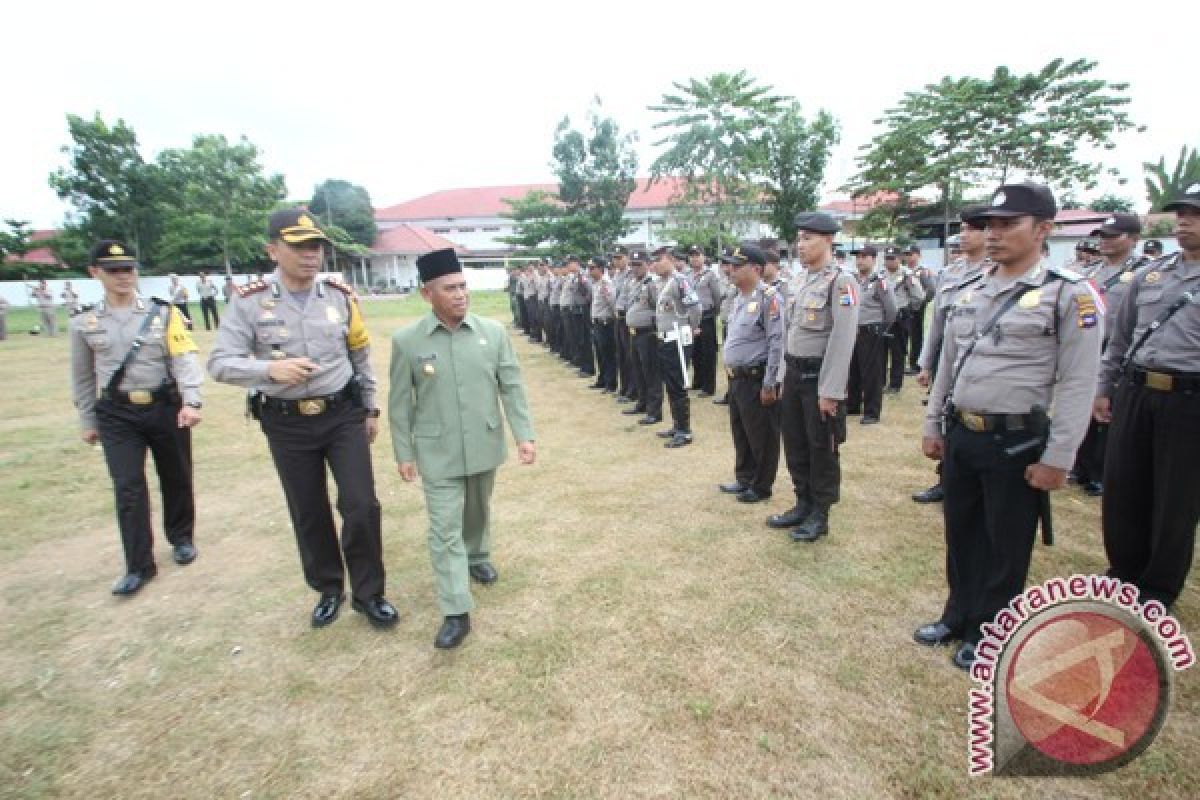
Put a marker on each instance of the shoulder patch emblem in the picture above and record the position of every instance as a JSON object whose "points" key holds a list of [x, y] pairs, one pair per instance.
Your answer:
{"points": [[848, 296]]}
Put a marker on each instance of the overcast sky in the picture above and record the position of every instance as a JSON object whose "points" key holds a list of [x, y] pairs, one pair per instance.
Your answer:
{"points": [[408, 98]]}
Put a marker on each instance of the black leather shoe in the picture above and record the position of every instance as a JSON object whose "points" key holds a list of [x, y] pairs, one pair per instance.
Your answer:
{"points": [[327, 609], [669, 433], [721, 401], [680, 439], [453, 631], [790, 518], [964, 656], [935, 633], [484, 573], [869, 421], [732, 488], [622, 399], [378, 610], [704, 393], [753, 496], [131, 582], [596, 386], [1093, 488], [853, 412], [813, 528], [934, 494], [633, 412], [648, 420], [184, 554], [912, 370], [892, 390]]}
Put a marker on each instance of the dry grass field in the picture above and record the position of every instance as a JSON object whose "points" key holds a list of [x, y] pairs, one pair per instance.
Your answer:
{"points": [[649, 637]]}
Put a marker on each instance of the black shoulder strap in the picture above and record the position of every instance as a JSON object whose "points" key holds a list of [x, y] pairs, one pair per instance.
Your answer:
{"points": [[1156, 325], [983, 332], [115, 381]]}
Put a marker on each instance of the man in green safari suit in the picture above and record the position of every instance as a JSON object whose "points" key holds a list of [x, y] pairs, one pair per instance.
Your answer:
{"points": [[450, 373]]}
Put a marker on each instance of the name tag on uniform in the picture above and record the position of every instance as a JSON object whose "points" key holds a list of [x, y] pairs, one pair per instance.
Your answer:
{"points": [[426, 363]]}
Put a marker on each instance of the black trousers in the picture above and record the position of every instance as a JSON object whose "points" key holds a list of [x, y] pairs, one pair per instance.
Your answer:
{"points": [[626, 385], [1151, 503], [1089, 460], [991, 515], [864, 389], [533, 321], [556, 330], [208, 307], [916, 333], [126, 433], [673, 383], [544, 320], [604, 341], [520, 319], [755, 429], [897, 350], [705, 355], [585, 357], [650, 390], [809, 439], [302, 447]]}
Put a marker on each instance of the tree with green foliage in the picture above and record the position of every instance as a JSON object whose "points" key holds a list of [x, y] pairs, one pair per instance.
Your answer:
{"points": [[348, 206], [217, 200], [113, 190], [713, 141], [537, 214], [17, 240], [793, 155], [1111, 203], [1163, 186]]}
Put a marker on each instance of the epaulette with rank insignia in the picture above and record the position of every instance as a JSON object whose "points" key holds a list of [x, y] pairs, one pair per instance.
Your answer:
{"points": [[253, 287], [344, 288], [83, 309], [1067, 275]]}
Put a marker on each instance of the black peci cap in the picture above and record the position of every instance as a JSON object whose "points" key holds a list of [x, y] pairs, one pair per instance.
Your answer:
{"points": [[1022, 200], [438, 263], [111, 254], [294, 225]]}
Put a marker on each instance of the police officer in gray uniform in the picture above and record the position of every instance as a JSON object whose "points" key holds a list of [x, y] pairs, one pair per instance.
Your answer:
{"points": [[909, 296], [877, 312], [1023, 340], [1148, 389], [623, 284], [676, 320], [136, 383], [708, 288], [640, 319], [3, 319], [581, 303], [916, 329], [603, 313], [729, 294], [1112, 275], [821, 319], [301, 345], [752, 354], [45, 303]]}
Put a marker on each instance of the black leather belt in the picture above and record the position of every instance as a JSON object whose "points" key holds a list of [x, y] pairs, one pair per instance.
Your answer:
{"points": [[142, 397], [707, 314], [603, 323], [803, 368], [307, 406], [647, 329], [620, 315], [993, 423], [1161, 381], [755, 372]]}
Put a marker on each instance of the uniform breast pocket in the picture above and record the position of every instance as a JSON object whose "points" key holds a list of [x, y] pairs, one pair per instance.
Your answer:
{"points": [[962, 322], [99, 341], [1024, 327], [1148, 304], [814, 310]]}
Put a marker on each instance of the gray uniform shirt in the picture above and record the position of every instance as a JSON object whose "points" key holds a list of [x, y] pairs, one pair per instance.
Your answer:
{"points": [[908, 291], [1043, 352], [707, 284], [45, 300], [264, 323], [100, 339], [205, 289], [755, 333], [878, 300], [603, 299], [581, 299], [952, 281], [1175, 347], [179, 293], [566, 288], [1113, 281], [677, 304], [623, 286], [729, 294], [821, 319], [642, 302]]}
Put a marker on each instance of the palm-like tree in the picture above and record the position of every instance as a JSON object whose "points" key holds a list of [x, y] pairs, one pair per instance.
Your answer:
{"points": [[1162, 187]]}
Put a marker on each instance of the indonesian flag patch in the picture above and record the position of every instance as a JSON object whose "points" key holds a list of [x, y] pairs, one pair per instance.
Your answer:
{"points": [[848, 297]]}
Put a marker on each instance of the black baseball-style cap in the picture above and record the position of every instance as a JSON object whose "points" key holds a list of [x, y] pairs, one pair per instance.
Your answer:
{"points": [[437, 263], [597, 262], [973, 215], [695, 250], [1117, 224], [743, 254], [865, 250], [294, 225], [111, 254], [663, 248], [816, 222], [637, 257], [891, 252], [1189, 199], [620, 250], [912, 249], [1022, 200]]}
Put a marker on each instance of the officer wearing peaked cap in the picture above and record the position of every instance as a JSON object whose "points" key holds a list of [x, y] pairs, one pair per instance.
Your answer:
{"points": [[821, 319], [451, 374], [136, 383], [753, 353], [643, 342], [676, 319], [1024, 340], [1148, 389], [707, 285], [864, 391], [909, 298], [603, 315], [300, 344]]}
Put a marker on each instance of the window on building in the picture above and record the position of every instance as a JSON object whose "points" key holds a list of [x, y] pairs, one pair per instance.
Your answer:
{"points": [[466, 230], [441, 231], [490, 229]]}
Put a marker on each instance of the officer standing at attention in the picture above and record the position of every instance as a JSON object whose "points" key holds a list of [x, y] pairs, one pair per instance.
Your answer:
{"points": [[70, 299], [1023, 340], [1148, 390], [676, 320], [909, 296], [141, 361], [925, 277], [644, 342], [451, 372], [302, 346], [207, 292], [962, 273], [530, 302], [773, 276], [45, 303], [821, 319], [1113, 275], [708, 288], [581, 304], [729, 293], [603, 314], [753, 353], [179, 298], [622, 278], [877, 312]]}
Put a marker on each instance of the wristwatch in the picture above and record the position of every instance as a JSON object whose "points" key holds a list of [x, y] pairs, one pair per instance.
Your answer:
{"points": [[194, 405], [373, 413]]}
